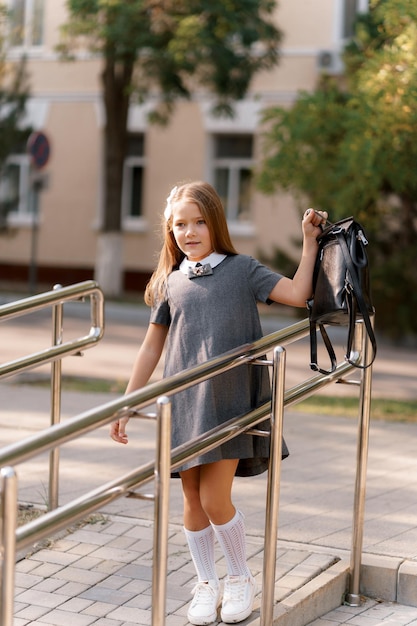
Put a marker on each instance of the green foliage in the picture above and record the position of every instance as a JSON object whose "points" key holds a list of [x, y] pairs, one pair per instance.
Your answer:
{"points": [[352, 149], [178, 44], [299, 140]]}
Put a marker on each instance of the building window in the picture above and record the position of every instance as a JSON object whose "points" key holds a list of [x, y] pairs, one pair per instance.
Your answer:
{"points": [[27, 18], [350, 10], [14, 188], [232, 174], [133, 175]]}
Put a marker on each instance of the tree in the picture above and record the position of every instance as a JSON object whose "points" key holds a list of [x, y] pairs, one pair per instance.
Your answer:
{"points": [[351, 148], [13, 97], [173, 47]]}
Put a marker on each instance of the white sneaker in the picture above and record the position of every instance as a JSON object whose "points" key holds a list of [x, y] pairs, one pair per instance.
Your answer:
{"points": [[238, 597], [203, 608]]}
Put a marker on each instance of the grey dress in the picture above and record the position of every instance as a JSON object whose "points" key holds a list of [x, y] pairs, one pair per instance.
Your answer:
{"points": [[207, 316]]}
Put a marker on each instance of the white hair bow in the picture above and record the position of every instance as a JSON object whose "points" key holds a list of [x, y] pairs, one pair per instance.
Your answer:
{"points": [[168, 207]]}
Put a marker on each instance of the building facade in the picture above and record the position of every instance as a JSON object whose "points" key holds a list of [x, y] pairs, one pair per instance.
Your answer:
{"points": [[55, 230]]}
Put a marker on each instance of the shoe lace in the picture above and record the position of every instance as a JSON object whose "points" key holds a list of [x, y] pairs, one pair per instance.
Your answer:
{"points": [[234, 589], [203, 593]]}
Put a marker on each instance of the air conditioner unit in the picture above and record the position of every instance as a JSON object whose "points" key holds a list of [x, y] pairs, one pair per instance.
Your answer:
{"points": [[330, 62]]}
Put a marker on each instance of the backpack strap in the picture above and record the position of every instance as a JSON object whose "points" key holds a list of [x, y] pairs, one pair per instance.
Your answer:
{"points": [[313, 349], [356, 299]]}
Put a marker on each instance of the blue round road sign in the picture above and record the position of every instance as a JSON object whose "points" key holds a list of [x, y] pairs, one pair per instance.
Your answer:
{"points": [[39, 149]]}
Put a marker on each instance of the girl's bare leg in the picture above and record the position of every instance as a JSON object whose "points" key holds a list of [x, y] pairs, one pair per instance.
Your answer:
{"points": [[207, 493], [208, 510]]}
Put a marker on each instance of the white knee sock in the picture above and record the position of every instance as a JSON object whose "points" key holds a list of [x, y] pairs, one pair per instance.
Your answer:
{"points": [[201, 545], [231, 537]]}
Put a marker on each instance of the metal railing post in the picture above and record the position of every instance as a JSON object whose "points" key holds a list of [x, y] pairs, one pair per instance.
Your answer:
{"points": [[8, 522], [56, 370], [353, 596], [273, 487], [161, 508]]}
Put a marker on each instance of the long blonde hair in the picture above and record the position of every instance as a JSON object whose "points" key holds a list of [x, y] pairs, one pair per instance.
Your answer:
{"points": [[208, 201]]}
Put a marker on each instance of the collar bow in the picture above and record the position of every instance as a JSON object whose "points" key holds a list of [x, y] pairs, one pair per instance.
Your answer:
{"points": [[200, 270]]}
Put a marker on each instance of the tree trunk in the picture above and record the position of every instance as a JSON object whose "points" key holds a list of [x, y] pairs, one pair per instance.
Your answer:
{"points": [[116, 77], [109, 263], [407, 219]]}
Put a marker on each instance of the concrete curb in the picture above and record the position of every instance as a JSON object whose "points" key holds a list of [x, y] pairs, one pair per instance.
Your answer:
{"points": [[317, 597], [383, 578], [407, 583], [390, 579]]}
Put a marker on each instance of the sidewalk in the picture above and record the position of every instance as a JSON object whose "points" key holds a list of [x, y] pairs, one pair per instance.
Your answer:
{"points": [[100, 574]]}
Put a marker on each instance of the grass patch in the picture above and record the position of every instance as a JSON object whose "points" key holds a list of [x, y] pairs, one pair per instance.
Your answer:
{"points": [[77, 383], [381, 408], [93, 385], [28, 512]]}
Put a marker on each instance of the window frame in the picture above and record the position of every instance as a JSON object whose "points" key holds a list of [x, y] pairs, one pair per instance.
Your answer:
{"points": [[234, 165], [362, 7], [24, 214], [132, 222], [27, 45]]}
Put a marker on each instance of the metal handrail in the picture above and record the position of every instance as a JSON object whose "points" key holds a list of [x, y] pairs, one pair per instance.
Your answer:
{"points": [[146, 396], [89, 420], [56, 299], [57, 296]]}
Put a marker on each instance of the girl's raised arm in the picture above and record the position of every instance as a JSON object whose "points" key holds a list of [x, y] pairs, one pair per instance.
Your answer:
{"points": [[146, 361], [297, 290]]}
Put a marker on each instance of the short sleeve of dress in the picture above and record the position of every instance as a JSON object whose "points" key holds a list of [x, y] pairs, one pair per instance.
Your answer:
{"points": [[262, 279], [160, 313]]}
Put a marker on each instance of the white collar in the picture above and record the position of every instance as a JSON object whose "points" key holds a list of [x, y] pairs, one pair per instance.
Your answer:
{"points": [[215, 258]]}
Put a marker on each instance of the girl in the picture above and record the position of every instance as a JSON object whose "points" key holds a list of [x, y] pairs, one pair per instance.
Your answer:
{"points": [[204, 298]]}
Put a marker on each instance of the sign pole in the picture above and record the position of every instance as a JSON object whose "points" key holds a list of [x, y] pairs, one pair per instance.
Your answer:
{"points": [[38, 148]]}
